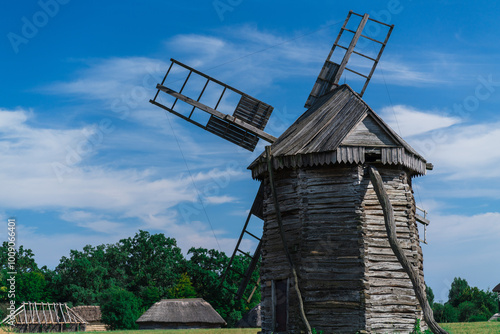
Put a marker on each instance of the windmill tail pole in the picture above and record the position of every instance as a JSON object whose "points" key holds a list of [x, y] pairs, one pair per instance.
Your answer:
{"points": [[283, 239], [390, 225]]}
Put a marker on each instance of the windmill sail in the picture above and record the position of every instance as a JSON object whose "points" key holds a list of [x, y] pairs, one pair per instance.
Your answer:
{"points": [[244, 127], [331, 72]]}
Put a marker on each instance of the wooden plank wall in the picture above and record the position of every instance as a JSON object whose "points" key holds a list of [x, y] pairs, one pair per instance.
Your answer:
{"points": [[274, 264], [323, 232], [349, 277], [391, 304], [332, 270]]}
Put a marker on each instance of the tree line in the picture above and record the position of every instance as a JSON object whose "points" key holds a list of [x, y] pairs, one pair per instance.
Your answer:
{"points": [[127, 277], [465, 303]]}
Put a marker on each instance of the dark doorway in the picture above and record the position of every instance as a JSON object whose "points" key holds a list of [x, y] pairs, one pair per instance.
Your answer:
{"points": [[281, 306]]}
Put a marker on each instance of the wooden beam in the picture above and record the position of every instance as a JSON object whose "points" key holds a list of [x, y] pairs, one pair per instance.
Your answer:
{"points": [[250, 128], [378, 56], [422, 220], [349, 50], [249, 272]]}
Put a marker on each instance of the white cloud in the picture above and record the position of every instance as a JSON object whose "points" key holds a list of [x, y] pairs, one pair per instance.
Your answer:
{"points": [[220, 199], [105, 203], [27, 170], [106, 79], [12, 120], [93, 222], [458, 150], [463, 151], [456, 229], [409, 121], [396, 72]]}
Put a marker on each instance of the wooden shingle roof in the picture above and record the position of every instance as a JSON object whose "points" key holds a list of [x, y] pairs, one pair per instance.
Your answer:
{"points": [[497, 288], [339, 128]]}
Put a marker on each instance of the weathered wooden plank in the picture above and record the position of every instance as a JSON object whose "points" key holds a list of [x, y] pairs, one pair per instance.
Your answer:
{"points": [[368, 133]]}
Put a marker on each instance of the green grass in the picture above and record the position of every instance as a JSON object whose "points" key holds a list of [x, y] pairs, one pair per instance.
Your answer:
{"points": [[183, 331], [453, 328], [492, 327]]}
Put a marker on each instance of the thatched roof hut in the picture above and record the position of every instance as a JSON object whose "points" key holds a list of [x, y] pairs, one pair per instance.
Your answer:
{"points": [[180, 314], [497, 289], [91, 314]]}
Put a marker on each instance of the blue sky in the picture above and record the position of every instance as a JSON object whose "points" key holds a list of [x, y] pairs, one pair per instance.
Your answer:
{"points": [[87, 160]]}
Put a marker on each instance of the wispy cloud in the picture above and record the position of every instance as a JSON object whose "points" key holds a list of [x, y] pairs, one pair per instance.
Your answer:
{"points": [[220, 199], [466, 151], [28, 172], [459, 150], [93, 222], [484, 227], [409, 121]]}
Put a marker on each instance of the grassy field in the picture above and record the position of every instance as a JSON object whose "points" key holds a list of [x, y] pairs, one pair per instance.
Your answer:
{"points": [[492, 327], [453, 328], [190, 331], [193, 331], [178, 331]]}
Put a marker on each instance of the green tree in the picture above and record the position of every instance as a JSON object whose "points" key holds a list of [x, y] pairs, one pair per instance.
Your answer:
{"points": [[465, 303], [31, 287], [183, 288], [430, 295], [24, 259], [438, 310], [152, 260], [149, 295], [133, 264], [83, 276], [450, 313], [459, 292], [466, 310], [31, 284], [206, 267], [120, 308]]}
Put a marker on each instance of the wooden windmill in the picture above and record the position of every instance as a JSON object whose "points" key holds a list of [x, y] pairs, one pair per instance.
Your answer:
{"points": [[340, 247]]}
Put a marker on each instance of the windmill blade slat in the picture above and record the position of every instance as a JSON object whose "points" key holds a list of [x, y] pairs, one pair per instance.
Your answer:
{"points": [[331, 72], [244, 128]]}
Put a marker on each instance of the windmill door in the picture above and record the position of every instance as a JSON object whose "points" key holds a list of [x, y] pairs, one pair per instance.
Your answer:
{"points": [[281, 305]]}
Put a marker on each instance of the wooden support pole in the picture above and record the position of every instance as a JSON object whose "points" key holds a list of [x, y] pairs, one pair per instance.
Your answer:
{"points": [[390, 225]]}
